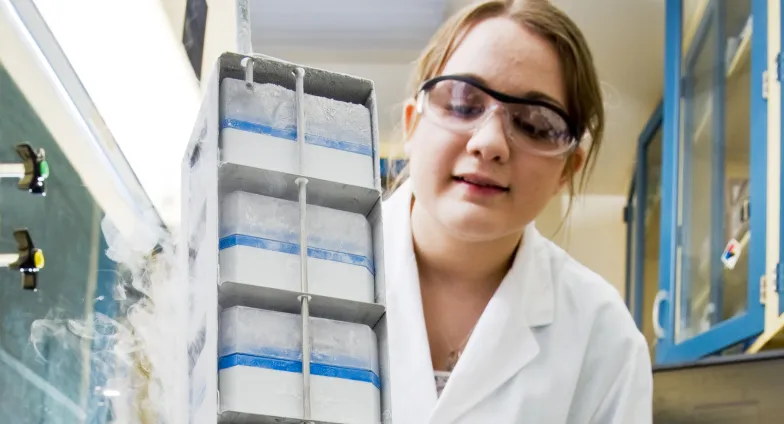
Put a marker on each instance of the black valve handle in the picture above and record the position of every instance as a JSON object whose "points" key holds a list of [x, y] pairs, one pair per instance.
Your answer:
{"points": [[30, 260], [36, 169]]}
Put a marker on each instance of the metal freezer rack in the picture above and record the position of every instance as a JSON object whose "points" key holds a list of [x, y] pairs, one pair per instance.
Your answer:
{"points": [[206, 177]]}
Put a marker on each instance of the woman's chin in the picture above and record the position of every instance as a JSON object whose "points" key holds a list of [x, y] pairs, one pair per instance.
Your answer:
{"points": [[473, 227]]}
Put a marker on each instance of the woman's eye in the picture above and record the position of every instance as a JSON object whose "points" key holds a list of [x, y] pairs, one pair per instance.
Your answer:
{"points": [[464, 111], [533, 131], [538, 126], [545, 136]]}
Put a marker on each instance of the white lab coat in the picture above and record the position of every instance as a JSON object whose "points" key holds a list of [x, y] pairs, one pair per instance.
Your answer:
{"points": [[555, 345]]}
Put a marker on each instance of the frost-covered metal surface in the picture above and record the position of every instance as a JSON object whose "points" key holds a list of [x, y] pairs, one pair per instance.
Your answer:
{"points": [[273, 106], [199, 254]]}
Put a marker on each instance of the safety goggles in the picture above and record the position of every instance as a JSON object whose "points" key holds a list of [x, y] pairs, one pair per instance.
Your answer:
{"points": [[462, 104]]}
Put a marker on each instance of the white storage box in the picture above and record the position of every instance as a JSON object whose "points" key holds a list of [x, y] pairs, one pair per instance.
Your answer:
{"points": [[258, 128], [259, 245], [207, 177], [260, 368]]}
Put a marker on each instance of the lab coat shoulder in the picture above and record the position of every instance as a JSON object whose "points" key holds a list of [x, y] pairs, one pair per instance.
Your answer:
{"points": [[397, 226], [615, 383]]}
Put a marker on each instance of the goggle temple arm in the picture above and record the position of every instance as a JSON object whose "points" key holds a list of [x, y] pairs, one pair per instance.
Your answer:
{"points": [[420, 101]]}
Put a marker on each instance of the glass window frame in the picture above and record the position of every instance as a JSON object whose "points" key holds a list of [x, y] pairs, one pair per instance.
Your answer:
{"points": [[32, 57]]}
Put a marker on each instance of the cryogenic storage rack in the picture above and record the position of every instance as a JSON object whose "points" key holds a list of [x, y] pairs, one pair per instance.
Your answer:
{"points": [[233, 150]]}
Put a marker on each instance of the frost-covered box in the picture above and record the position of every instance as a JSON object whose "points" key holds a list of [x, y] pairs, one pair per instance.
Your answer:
{"points": [[282, 236]]}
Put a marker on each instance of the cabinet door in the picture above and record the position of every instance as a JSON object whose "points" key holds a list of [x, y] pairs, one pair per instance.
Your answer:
{"points": [[56, 341], [642, 219], [647, 221], [715, 128], [777, 176]]}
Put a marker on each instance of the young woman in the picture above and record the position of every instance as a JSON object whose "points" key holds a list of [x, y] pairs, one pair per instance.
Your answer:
{"points": [[489, 322]]}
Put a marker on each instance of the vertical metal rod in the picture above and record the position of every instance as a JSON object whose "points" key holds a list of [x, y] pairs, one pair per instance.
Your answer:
{"points": [[302, 183], [300, 73], [248, 62], [303, 234], [304, 298], [12, 170], [7, 259]]}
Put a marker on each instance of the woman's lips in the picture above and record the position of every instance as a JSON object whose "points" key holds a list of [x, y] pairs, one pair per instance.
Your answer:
{"points": [[480, 186]]}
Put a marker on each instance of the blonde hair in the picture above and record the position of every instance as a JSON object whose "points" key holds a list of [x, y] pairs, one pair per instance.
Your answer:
{"points": [[584, 102]]}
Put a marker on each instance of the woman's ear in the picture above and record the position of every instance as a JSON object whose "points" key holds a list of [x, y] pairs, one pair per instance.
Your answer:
{"points": [[409, 120], [409, 116], [573, 166]]}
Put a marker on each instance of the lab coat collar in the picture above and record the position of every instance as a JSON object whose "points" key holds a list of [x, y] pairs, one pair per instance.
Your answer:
{"points": [[413, 385], [502, 342]]}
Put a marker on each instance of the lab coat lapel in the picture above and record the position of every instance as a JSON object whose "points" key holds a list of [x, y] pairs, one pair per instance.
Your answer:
{"points": [[502, 343], [413, 385]]}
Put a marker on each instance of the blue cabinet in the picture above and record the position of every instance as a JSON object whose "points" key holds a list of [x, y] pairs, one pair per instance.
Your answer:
{"points": [[713, 169], [779, 271]]}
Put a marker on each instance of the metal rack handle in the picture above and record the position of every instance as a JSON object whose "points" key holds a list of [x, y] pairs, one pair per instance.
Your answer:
{"points": [[304, 298], [300, 87], [247, 63]]}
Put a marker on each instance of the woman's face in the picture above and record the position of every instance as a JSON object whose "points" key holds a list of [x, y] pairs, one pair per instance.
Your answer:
{"points": [[510, 59]]}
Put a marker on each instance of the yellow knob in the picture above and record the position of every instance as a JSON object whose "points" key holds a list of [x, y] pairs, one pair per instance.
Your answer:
{"points": [[38, 258]]}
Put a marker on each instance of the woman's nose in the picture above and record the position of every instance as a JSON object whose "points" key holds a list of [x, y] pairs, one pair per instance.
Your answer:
{"points": [[489, 139]]}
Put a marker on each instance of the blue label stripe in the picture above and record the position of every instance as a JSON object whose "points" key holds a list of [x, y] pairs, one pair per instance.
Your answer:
{"points": [[293, 249], [332, 358], [290, 133], [288, 365]]}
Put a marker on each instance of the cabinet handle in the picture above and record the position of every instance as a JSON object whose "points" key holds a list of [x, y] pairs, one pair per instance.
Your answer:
{"points": [[658, 330]]}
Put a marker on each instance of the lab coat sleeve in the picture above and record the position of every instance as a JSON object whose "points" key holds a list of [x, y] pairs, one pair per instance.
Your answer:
{"points": [[629, 397]]}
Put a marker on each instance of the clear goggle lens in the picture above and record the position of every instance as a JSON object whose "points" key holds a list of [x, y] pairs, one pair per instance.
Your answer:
{"points": [[461, 105]]}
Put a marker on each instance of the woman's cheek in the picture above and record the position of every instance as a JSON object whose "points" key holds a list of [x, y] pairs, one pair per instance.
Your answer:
{"points": [[536, 182], [433, 160]]}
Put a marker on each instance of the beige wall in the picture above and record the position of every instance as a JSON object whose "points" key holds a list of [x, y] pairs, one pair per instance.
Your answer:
{"points": [[650, 288], [175, 11], [593, 233]]}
